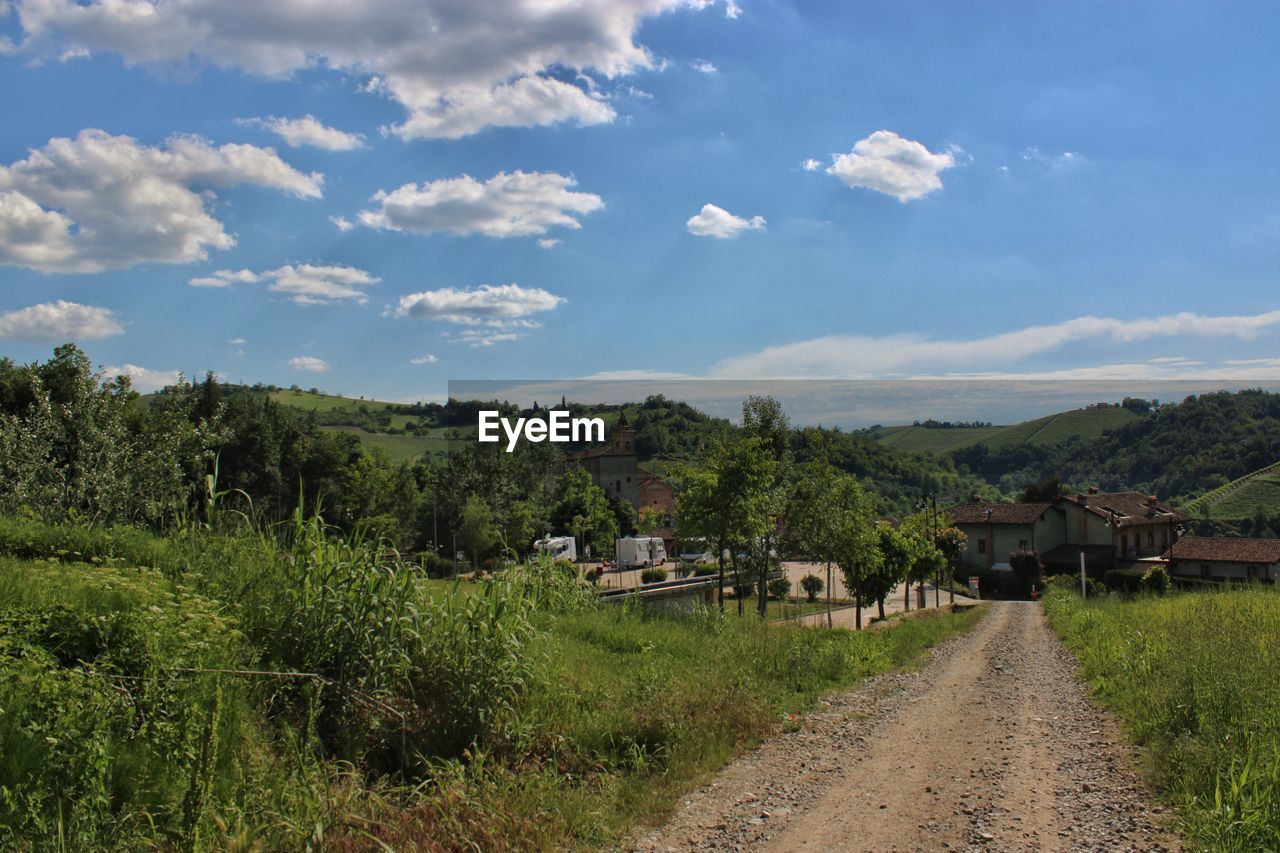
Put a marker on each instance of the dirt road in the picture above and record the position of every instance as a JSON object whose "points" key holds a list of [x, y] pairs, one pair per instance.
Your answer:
{"points": [[994, 744]]}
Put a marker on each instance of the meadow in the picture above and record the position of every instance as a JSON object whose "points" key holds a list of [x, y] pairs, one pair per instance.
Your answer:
{"points": [[285, 686], [1194, 678]]}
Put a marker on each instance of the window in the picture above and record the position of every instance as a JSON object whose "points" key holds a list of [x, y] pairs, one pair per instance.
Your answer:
{"points": [[1204, 570], [982, 546], [1124, 544], [1151, 539], [1164, 539]]}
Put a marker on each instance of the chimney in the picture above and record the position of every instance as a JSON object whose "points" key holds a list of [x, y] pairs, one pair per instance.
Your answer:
{"points": [[1083, 499], [1093, 490], [1152, 500]]}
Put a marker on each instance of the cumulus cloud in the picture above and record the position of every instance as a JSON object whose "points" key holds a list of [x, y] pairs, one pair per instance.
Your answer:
{"points": [[304, 284], [101, 202], [484, 338], [887, 163], [455, 66], [237, 342], [494, 305], [714, 221], [548, 243], [342, 223], [702, 66], [144, 378], [308, 130], [424, 359], [507, 205], [309, 363], [59, 321], [864, 356], [811, 165]]}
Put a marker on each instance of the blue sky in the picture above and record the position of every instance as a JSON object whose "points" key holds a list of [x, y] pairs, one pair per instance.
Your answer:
{"points": [[1085, 190]]}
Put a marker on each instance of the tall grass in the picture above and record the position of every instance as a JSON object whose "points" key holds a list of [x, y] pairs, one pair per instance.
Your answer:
{"points": [[1197, 679]]}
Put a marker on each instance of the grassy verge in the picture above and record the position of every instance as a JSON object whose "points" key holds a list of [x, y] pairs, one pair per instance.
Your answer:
{"points": [[289, 689], [1194, 676]]}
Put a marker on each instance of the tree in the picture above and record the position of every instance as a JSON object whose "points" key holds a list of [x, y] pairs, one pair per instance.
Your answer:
{"points": [[854, 539], [1026, 566], [581, 508], [765, 424], [812, 585], [897, 554], [477, 534]]}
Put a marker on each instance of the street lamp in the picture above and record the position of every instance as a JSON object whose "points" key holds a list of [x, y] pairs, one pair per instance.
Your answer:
{"points": [[927, 501]]}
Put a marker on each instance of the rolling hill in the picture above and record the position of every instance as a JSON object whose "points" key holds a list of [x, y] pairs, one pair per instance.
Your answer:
{"points": [[1257, 491], [1044, 432]]}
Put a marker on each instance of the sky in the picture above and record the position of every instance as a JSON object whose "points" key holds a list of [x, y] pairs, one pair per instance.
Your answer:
{"points": [[377, 198]]}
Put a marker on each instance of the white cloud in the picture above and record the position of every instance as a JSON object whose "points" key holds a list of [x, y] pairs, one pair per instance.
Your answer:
{"points": [[455, 66], [715, 221], [483, 338], [342, 223], [732, 10], [424, 359], [101, 202], [304, 284], [811, 165], [493, 305], [59, 321], [858, 356], [506, 205], [237, 342], [145, 379], [309, 363], [225, 278], [308, 130], [887, 163], [702, 66], [548, 243]]}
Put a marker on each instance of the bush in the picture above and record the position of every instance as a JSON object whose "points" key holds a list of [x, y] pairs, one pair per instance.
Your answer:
{"points": [[435, 565], [744, 589], [779, 588], [653, 575], [812, 585], [1124, 581], [1156, 580], [703, 570]]}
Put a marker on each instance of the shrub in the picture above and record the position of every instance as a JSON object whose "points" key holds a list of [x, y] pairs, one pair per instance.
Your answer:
{"points": [[1156, 580], [705, 570], [1121, 580], [779, 588], [744, 589], [812, 585], [435, 565], [653, 575]]}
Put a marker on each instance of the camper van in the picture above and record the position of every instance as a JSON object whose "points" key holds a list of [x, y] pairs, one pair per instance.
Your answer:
{"points": [[641, 552], [558, 547]]}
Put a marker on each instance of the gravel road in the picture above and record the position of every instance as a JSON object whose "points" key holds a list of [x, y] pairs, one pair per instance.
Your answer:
{"points": [[993, 745]]}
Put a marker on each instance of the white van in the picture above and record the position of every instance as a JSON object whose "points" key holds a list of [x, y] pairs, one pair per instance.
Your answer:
{"points": [[558, 547], [641, 552]]}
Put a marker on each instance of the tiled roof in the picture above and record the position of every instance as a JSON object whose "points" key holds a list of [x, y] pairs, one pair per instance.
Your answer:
{"points": [[1129, 507], [1222, 549], [977, 513]]}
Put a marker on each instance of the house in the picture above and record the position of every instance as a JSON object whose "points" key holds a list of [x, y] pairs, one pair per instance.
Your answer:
{"points": [[994, 530], [1108, 528], [1221, 559]]}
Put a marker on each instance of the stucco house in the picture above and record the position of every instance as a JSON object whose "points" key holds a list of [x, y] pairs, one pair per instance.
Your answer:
{"points": [[1109, 528], [1221, 558]]}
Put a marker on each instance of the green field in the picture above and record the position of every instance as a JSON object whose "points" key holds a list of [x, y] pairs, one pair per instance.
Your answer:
{"points": [[1193, 676], [253, 704], [309, 402], [1047, 431], [1257, 491], [399, 448]]}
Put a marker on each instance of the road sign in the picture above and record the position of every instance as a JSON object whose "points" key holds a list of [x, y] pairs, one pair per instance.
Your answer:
{"points": [[973, 584]]}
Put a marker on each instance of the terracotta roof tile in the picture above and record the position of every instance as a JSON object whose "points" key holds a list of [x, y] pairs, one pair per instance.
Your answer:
{"points": [[1222, 549], [1131, 508], [977, 513]]}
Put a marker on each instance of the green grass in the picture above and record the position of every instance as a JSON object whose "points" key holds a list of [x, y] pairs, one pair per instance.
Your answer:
{"points": [[308, 402], [511, 714], [632, 711], [1047, 431], [399, 448], [1194, 677]]}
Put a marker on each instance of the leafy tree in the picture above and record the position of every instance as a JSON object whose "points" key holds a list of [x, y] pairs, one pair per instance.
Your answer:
{"points": [[897, 555], [477, 533], [1026, 565], [812, 586], [765, 424], [581, 508]]}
